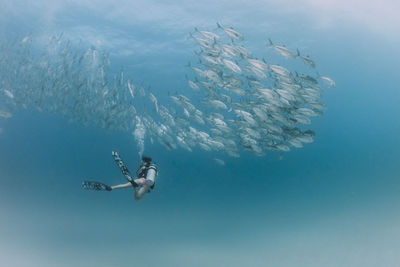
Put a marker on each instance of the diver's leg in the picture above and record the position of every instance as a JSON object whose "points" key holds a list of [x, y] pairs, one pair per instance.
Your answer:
{"points": [[140, 181], [120, 186], [139, 193]]}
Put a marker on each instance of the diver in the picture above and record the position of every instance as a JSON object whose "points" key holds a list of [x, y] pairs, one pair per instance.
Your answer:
{"points": [[145, 181]]}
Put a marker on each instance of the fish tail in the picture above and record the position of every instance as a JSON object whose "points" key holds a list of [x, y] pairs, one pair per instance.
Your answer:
{"points": [[298, 52], [219, 25], [270, 42]]}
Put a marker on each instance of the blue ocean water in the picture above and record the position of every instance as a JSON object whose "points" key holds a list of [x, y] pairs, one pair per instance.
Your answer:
{"points": [[332, 203]]}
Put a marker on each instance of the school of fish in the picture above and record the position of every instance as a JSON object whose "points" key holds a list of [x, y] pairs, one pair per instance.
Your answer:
{"points": [[238, 101]]}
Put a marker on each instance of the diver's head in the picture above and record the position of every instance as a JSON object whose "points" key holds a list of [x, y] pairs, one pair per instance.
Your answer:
{"points": [[146, 159]]}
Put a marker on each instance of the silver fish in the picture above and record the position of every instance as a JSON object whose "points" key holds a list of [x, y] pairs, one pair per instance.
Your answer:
{"points": [[231, 32], [194, 86], [5, 114], [232, 66], [208, 35], [258, 64], [219, 161], [327, 81], [282, 50], [306, 60]]}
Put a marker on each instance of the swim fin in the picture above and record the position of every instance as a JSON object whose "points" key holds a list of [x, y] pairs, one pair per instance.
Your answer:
{"points": [[122, 166], [92, 185]]}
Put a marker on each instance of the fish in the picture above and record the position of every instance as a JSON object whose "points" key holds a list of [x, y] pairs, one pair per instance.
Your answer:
{"points": [[154, 100], [211, 59], [204, 43], [231, 32], [285, 94], [187, 114], [229, 50], [215, 131], [259, 73], [176, 100], [194, 86], [279, 70], [282, 50], [212, 76], [217, 104], [208, 34], [8, 93], [198, 119], [296, 143], [231, 66], [305, 139], [306, 60], [327, 81], [307, 79], [5, 114], [205, 147], [199, 72], [282, 147], [302, 119], [25, 39], [242, 51], [219, 161], [247, 117], [257, 64], [267, 93], [181, 142], [131, 89], [306, 112]]}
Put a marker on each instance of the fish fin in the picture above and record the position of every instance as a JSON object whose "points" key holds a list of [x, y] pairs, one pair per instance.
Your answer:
{"points": [[270, 42], [219, 25], [196, 30], [298, 52]]}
